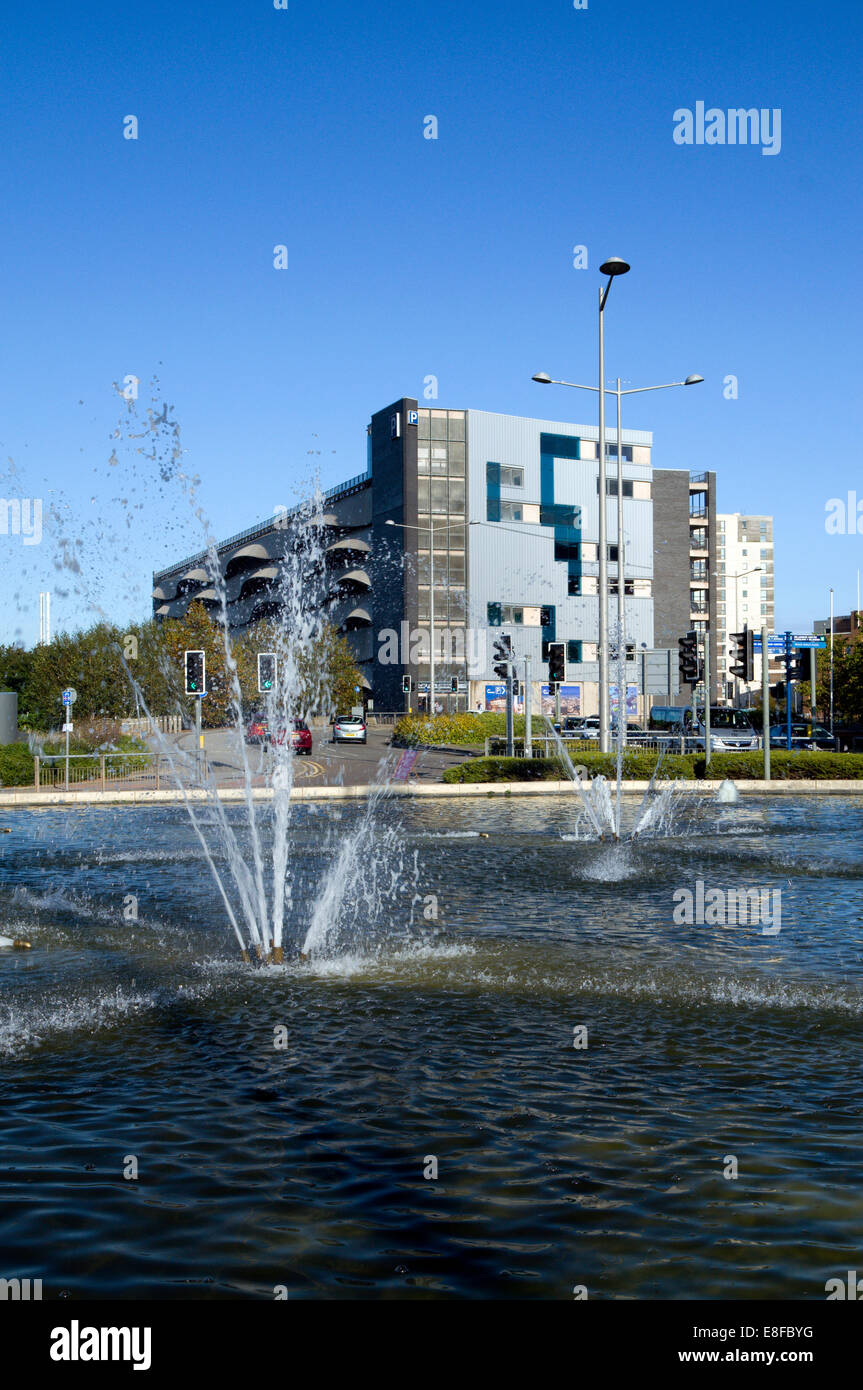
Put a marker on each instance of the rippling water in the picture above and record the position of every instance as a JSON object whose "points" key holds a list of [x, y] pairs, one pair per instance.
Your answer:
{"points": [[447, 1036]]}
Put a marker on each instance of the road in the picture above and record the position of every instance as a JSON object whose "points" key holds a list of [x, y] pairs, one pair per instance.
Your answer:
{"points": [[341, 764]]}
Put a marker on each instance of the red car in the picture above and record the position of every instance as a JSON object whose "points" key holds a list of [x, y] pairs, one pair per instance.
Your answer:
{"points": [[301, 737], [257, 731]]}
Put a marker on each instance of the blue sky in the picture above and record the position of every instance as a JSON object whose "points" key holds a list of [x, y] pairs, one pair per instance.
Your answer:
{"points": [[410, 257]]}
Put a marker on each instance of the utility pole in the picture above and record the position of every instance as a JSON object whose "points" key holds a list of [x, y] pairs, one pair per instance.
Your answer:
{"points": [[788, 640], [765, 700], [528, 690], [510, 725], [707, 699]]}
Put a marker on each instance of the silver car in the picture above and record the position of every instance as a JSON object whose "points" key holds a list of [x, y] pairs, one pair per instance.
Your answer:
{"points": [[349, 729]]}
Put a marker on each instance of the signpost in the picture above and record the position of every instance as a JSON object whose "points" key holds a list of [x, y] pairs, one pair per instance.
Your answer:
{"points": [[68, 698]]}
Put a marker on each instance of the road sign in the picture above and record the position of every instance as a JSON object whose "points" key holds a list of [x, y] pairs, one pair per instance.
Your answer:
{"points": [[69, 695], [67, 729], [776, 641]]}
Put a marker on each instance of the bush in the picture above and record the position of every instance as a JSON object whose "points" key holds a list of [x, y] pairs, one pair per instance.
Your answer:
{"points": [[784, 766], [16, 765], [506, 770], [639, 767], [636, 767], [464, 730]]}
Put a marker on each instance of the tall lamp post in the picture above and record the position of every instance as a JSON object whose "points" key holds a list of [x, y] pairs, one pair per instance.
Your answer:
{"points": [[545, 380], [402, 526]]}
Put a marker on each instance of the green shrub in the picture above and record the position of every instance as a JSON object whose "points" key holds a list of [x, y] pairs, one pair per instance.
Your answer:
{"points": [[784, 766], [16, 765], [637, 767], [462, 730], [506, 770]]}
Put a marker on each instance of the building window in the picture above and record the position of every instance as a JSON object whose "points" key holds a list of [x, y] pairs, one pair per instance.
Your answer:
{"points": [[512, 477], [573, 585], [573, 652], [611, 487]]}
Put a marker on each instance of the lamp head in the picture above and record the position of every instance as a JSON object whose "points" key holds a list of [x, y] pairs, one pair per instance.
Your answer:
{"points": [[693, 380], [614, 266], [542, 377]]}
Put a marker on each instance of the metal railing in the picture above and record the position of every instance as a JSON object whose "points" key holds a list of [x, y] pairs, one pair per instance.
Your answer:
{"points": [[141, 770]]}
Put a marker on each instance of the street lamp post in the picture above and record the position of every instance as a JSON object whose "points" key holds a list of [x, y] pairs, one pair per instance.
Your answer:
{"points": [[545, 380]]}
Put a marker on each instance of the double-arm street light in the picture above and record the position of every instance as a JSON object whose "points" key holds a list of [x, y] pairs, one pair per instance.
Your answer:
{"points": [[613, 266]]}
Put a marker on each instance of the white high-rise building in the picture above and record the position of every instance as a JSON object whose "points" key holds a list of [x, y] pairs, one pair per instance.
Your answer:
{"points": [[744, 591]]}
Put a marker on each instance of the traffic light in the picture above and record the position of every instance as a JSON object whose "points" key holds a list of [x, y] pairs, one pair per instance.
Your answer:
{"points": [[502, 655], [688, 664], [266, 672], [556, 662], [407, 684], [196, 673], [453, 685], [742, 655], [516, 689], [799, 666], [777, 691]]}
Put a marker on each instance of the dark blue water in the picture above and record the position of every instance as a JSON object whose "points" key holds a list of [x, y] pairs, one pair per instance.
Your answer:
{"points": [[446, 1037]]}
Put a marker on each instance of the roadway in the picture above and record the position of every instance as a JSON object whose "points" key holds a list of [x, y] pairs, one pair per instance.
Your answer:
{"points": [[340, 764]]}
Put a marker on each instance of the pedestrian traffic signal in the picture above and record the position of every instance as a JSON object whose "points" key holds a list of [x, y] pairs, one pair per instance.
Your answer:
{"points": [[688, 664], [777, 691], [196, 672], [516, 688], [742, 655], [556, 662], [453, 685], [502, 655], [407, 684], [799, 670], [266, 672]]}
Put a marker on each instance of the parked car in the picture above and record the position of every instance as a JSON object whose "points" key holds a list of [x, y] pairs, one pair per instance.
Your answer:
{"points": [[258, 730], [819, 739], [349, 728], [301, 737]]}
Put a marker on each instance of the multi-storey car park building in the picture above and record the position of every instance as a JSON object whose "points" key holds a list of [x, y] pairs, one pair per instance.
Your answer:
{"points": [[512, 505]]}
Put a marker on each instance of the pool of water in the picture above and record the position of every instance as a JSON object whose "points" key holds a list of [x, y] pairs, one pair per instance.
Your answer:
{"points": [[437, 1024]]}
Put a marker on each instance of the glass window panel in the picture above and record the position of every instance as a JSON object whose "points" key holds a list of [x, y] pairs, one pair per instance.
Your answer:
{"points": [[456, 567], [456, 426], [423, 462], [438, 451], [457, 539], [456, 454], [456, 495], [423, 425], [438, 429], [423, 494], [438, 496], [456, 467]]}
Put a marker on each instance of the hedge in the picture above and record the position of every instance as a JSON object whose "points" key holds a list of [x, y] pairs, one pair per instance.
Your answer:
{"points": [[784, 766], [16, 765], [464, 730], [686, 767]]}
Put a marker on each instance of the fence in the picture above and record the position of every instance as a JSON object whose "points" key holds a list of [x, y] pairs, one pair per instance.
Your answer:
{"points": [[141, 770], [164, 723], [545, 746]]}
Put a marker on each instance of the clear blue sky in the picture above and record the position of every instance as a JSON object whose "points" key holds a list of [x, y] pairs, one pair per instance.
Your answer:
{"points": [[409, 256]]}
